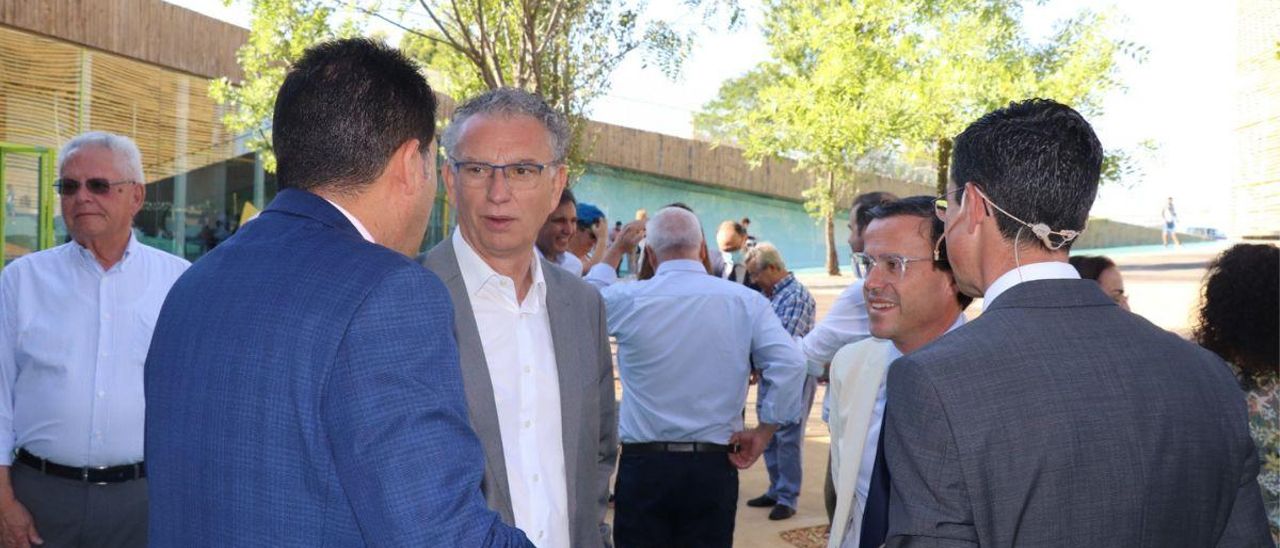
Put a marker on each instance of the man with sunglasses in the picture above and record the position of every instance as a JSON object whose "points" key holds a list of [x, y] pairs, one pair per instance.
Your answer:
{"points": [[533, 347], [75, 326], [912, 299], [1056, 418]]}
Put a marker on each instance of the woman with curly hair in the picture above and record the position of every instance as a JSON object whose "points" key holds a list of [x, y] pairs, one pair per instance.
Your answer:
{"points": [[1239, 320]]}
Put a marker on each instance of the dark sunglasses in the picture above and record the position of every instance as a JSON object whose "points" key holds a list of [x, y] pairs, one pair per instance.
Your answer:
{"points": [[96, 185]]}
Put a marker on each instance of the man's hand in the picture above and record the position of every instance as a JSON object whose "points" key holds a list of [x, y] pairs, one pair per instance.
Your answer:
{"points": [[626, 240], [751, 444], [17, 529]]}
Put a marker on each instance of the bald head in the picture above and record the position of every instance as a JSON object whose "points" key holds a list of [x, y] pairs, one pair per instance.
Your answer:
{"points": [[674, 233]]}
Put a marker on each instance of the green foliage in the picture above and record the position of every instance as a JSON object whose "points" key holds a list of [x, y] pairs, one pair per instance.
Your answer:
{"points": [[280, 31]]}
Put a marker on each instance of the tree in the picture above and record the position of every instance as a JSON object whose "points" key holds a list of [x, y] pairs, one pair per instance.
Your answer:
{"points": [[278, 34], [898, 78], [564, 50]]}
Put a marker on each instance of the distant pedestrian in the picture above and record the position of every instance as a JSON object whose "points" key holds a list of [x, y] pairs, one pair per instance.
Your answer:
{"points": [[1170, 217]]}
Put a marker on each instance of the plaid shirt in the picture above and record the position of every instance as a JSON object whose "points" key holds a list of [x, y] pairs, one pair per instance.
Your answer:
{"points": [[794, 306]]}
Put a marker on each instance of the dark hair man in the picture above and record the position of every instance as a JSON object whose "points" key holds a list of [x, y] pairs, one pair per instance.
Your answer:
{"points": [[1068, 421], [912, 300], [553, 238], [303, 385], [534, 350]]}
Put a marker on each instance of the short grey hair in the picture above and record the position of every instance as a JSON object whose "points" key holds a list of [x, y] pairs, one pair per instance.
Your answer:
{"points": [[673, 231], [510, 102], [765, 254], [128, 157]]}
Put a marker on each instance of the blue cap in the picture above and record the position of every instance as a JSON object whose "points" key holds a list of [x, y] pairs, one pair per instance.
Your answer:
{"points": [[588, 214]]}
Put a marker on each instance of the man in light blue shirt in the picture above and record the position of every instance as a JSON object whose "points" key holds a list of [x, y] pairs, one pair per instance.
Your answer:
{"points": [[75, 326], [686, 340]]}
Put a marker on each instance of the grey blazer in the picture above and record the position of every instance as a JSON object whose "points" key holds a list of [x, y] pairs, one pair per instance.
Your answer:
{"points": [[588, 403], [1058, 419]]}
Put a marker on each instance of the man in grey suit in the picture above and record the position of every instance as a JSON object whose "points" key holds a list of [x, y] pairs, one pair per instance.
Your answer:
{"points": [[532, 341], [1056, 418]]}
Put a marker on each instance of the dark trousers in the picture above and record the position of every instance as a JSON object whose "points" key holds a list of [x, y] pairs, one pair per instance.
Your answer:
{"points": [[70, 513], [674, 500]]}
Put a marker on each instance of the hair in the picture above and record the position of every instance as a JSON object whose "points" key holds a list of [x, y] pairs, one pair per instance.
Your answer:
{"points": [[864, 202], [343, 110], [745, 221], [673, 231], [1038, 160], [510, 102], [1239, 316], [737, 227], [1091, 267], [680, 205], [765, 254], [128, 157], [922, 207], [566, 197]]}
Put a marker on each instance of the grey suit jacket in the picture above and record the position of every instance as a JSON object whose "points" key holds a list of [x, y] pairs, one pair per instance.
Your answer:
{"points": [[588, 403], [1058, 419]]}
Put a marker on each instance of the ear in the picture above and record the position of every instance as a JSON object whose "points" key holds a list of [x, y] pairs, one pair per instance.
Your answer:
{"points": [[405, 167], [138, 196], [974, 208], [449, 191], [652, 260], [559, 183]]}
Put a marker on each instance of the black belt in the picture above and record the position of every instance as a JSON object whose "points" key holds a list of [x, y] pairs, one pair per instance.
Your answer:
{"points": [[675, 447], [87, 474]]}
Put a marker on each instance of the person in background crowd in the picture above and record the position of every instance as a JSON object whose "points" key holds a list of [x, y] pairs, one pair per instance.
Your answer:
{"points": [[912, 300], [844, 323], [1239, 320], [303, 385], [1069, 422], [534, 349], [613, 232], [1170, 218], [686, 343], [553, 239], [731, 238], [795, 307], [746, 227], [1104, 271], [75, 327]]}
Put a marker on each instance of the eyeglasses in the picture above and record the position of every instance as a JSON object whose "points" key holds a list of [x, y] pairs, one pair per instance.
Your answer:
{"points": [[96, 185], [940, 204], [894, 265], [519, 176]]}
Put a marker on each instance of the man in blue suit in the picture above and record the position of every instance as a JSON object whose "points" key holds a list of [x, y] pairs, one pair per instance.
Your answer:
{"points": [[303, 386]]}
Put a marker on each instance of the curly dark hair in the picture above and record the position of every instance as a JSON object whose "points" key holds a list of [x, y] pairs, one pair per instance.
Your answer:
{"points": [[1239, 317]]}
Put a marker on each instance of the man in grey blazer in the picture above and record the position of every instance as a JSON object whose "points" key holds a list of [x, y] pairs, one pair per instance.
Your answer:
{"points": [[1055, 418], [532, 341]]}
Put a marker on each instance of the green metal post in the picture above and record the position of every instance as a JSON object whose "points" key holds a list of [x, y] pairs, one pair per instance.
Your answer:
{"points": [[4, 213], [45, 232]]}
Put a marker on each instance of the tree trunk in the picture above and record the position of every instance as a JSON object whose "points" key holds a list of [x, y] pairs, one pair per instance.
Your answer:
{"points": [[833, 258], [944, 164]]}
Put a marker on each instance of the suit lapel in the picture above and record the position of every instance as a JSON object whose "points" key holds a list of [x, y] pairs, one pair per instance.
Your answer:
{"points": [[570, 372], [475, 379]]}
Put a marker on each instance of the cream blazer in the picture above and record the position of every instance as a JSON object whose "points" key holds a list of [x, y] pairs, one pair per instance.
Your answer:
{"points": [[857, 371]]}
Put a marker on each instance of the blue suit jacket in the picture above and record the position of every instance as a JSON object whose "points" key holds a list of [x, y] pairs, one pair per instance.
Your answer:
{"points": [[303, 389]]}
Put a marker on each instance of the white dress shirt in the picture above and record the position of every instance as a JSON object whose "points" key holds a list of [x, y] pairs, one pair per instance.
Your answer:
{"points": [[1051, 270], [364, 232], [845, 323], [516, 337], [567, 261], [684, 339], [73, 342]]}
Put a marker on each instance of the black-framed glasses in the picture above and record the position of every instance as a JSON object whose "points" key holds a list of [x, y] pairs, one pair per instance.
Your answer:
{"points": [[519, 176], [940, 204], [97, 185], [893, 265]]}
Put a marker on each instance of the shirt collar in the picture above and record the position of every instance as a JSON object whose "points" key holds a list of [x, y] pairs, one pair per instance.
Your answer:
{"points": [[680, 265], [476, 273], [130, 249], [1051, 270], [784, 283], [364, 232], [894, 353]]}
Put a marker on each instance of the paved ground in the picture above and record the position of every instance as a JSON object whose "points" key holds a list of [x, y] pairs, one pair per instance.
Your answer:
{"points": [[1163, 285]]}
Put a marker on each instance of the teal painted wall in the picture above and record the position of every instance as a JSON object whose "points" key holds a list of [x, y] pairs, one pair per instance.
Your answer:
{"points": [[619, 193]]}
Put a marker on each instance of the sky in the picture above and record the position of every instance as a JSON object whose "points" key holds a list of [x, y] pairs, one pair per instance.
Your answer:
{"points": [[1182, 97]]}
